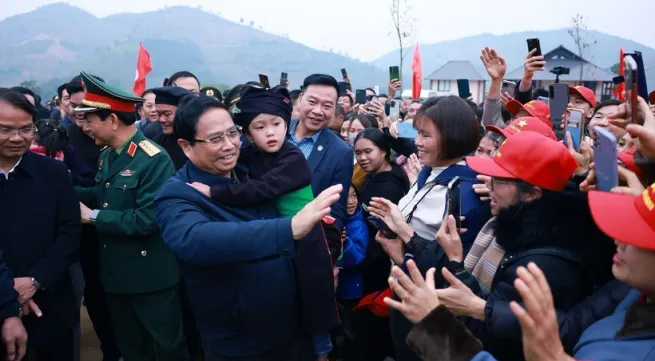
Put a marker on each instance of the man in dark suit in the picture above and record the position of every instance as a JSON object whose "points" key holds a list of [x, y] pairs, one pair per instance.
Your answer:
{"points": [[40, 222], [330, 158]]}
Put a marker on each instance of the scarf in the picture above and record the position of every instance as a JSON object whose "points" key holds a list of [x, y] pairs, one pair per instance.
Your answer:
{"points": [[484, 257], [41, 150]]}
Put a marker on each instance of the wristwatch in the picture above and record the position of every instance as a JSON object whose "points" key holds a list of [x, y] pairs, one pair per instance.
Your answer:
{"points": [[36, 284], [94, 215]]}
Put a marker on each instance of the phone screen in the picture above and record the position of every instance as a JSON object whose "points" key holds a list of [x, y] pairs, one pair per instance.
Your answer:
{"points": [[631, 86], [558, 102], [463, 88], [382, 227], [575, 126], [534, 44], [263, 80], [605, 159], [344, 74], [394, 73], [454, 201], [360, 96]]}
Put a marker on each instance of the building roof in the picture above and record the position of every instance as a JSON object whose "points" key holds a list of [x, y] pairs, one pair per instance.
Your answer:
{"points": [[456, 69], [566, 58]]}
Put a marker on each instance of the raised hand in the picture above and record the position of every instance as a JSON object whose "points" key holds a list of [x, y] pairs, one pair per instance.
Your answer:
{"points": [[417, 294], [314, 211], [495, 64], [540, 329]]}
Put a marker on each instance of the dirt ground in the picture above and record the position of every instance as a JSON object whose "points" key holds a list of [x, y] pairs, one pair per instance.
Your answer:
{"points": [[89, 345]]}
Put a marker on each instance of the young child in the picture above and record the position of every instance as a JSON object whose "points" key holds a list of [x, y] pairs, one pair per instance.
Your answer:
{"points": [[279, 172]]}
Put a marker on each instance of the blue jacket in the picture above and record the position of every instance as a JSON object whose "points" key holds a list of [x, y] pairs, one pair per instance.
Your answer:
{"points": [[237, 265], [351, 279], [331, 161], [599, 342]]}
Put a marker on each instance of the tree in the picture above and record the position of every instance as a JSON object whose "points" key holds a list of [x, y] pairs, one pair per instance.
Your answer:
{"points": [[32, 85], [615, 68], [403, 23], [581, 39]]}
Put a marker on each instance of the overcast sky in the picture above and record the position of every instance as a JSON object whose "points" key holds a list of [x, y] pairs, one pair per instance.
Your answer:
{"points": [[361, 27]]}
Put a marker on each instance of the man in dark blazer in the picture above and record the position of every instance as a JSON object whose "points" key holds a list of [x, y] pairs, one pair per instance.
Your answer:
{"points": [[40, 222], [330, 158]]}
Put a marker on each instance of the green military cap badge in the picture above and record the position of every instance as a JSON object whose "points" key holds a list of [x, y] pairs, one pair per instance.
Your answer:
{"points": [[99, 95]]}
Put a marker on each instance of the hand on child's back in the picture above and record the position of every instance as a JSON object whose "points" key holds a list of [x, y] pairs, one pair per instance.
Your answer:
{"points": [[202, 188]]}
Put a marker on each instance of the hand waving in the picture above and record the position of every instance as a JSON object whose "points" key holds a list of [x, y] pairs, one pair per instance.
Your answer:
{"points": [[418, 295], [541, 340], [495, 64]]}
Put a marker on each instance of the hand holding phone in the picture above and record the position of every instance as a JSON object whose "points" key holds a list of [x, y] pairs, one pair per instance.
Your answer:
{"points": [[533, 43], [463, 88], [382, 227], [394, 73]]}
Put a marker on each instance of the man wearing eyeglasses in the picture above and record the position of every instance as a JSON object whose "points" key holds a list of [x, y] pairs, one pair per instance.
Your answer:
{"points": [[40, 235], [138, 271], [238, 260]]}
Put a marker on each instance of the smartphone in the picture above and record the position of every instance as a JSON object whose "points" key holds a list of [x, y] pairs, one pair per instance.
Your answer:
{"points": [[605, 159], [344, 73], [558, 102], [534, 43], [394, 73], [394, 109], [343, 88], [463, 88], [575, 123], [387, 108], [284, 79], [631, 77], [454, 202], [360, 96], [406, 130], [382, 227], [508, 87], [263, 80]]}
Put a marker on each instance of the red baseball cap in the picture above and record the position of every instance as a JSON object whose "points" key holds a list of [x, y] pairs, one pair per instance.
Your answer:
{"points": [[535, 108], [527, 124], [626, 218], [651, 97], [628, 159], [530, 157], [586, 93]]}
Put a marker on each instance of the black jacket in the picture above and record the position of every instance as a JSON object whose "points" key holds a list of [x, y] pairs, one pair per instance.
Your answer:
{"points": [[391, 185], [86, 147], [9, 305], [553, 233], [169, 143], [40, 222]]}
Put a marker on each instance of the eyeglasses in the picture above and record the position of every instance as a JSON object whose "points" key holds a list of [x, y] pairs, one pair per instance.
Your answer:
{"points": [[499, 181], [23, 132], [232, 134]]}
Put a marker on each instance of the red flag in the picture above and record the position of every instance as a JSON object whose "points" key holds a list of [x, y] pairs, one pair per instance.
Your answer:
{"points": [[620, 89], [417, 73], [143, 68]]}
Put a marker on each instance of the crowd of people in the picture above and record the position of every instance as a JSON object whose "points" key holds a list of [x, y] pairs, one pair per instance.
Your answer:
{"points": [[268, 224]]}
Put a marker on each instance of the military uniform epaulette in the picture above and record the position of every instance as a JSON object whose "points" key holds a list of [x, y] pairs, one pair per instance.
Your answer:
{"points": [[149, 148]]}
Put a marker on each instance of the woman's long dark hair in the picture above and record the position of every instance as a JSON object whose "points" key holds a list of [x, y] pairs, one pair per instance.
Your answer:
{"points": [[377, 137], [52, 136]]}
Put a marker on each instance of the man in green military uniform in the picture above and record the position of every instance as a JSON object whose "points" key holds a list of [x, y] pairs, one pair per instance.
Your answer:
{"points": [[138, 271]]}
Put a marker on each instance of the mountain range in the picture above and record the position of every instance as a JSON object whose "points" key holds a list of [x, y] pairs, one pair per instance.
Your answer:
{"points": [[51, 44]]}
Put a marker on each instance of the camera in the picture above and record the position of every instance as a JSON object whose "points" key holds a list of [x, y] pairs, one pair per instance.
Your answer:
{"points": [[560, 70]]}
